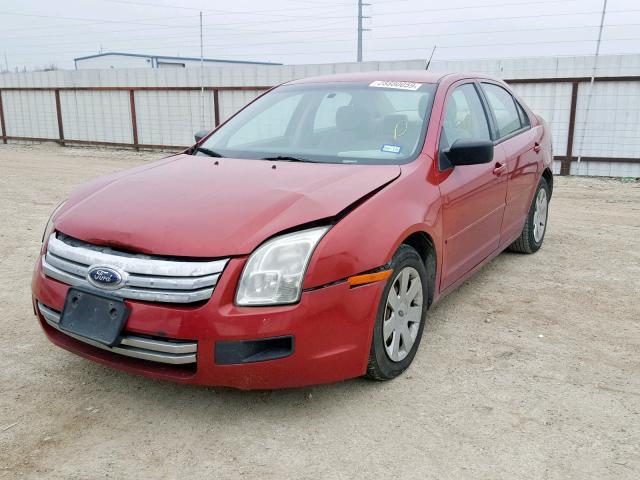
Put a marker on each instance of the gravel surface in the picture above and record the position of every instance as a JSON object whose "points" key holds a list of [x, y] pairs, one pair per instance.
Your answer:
{"points": [[530, 370]]}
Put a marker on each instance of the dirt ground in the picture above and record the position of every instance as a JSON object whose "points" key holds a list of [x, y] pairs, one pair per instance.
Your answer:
{"points": [[531, 370]]}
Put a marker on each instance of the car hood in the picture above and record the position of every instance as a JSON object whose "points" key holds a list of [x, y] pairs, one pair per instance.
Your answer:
{"points": [[200, 206]]}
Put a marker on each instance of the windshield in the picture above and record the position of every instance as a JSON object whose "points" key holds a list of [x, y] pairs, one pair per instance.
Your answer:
{"points": [[375, 123]]}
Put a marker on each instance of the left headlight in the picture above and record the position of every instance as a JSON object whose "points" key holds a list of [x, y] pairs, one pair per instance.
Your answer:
{"points": [[48, 230], [274, 273]]}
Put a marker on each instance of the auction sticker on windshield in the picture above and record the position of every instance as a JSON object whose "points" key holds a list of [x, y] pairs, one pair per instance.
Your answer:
{"points": [[399, 85]]}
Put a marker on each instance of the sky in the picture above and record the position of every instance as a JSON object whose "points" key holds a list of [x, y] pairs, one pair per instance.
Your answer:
{"points": [[34, 34]]}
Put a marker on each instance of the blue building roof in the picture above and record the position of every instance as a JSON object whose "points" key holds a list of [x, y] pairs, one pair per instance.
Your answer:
{"points": [[161, 57]]}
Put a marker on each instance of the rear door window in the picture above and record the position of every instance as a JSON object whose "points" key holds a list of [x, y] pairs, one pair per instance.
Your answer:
{"points": [[504, 109]]}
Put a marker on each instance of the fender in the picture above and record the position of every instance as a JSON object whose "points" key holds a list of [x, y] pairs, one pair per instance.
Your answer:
{"points": [[368, 236]]}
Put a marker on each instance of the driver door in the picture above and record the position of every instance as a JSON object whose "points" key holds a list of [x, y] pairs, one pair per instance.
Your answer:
{"points": [[473, 196]]}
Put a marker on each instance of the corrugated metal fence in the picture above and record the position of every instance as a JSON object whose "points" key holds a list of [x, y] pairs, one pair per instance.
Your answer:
{"points": [[597, 123]]}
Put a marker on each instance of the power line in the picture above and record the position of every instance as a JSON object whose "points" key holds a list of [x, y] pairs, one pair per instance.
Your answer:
{"points": [[401, 24], [97, 21], [495, 5], [238, 31], [267, 22], [333, 39], [516, 17], [235, 32], [422, 48], [297, 17], [384, 26], [229, 12]]}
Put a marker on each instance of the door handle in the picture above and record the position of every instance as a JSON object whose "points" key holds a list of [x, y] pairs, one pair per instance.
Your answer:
{"points": [[537, 147], [499, 169]]}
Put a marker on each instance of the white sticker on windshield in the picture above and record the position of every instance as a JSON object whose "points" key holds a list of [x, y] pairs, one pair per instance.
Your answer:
{"points": [[397, 85], [391, 148]]}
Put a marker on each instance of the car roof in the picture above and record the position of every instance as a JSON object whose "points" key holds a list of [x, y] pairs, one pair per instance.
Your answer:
{"points": [[418, 76]]}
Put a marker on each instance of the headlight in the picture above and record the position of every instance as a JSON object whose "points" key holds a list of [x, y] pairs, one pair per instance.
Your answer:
{"points": [[49, 228], [274, 273]]}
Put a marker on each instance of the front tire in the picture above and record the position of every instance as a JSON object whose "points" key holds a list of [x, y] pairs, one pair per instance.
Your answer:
{"points": [[535, 226], [401, 317]]}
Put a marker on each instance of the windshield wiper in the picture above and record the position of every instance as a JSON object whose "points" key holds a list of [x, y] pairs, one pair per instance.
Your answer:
{"points": [[286, 158], [211, 153]]}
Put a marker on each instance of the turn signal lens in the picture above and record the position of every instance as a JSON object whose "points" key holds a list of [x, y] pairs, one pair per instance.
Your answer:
{"points": [[369, 278]]}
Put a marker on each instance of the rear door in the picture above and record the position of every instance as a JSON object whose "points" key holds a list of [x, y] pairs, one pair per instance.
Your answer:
{"points": [[513, 132], [473, 196]]}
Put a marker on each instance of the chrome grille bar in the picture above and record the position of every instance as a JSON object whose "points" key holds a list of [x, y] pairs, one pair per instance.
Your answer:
{"points": [[147, 278], [162, 351]]}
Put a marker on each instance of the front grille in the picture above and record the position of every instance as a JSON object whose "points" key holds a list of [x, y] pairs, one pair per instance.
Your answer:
{"points": [[146, 277], [175, 352]]}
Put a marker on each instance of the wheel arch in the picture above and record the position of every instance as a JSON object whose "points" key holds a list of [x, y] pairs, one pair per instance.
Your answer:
{"points": [[423, 243]]}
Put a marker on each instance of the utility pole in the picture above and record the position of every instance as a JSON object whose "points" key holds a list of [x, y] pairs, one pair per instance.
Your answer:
{"points": [[360, 29], [202, 125], [593, 78], [6, 62]]}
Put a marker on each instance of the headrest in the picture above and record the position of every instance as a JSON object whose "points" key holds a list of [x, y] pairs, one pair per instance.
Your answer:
{"points": [[348, 117]]}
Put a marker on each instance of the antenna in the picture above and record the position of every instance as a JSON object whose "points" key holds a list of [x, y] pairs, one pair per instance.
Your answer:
{"points": [[430, 57]]}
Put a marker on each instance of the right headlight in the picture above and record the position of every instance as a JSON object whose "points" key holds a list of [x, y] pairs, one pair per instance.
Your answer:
{"points": [[274, 273]]}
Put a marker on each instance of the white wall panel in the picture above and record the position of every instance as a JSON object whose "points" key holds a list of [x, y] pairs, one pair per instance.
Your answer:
{"points": [[552, 101], [612, 123], [30, 114], [100, 116], [232, 101], [545, 67], [171, 118], [605, 169], [608, 124]]}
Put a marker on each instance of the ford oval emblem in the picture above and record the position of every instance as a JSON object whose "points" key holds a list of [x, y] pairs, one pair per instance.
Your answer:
{"points": [[105, 277]]}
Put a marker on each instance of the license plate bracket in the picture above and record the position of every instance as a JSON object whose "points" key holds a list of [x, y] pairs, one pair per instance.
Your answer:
{"points": [[94, 315]]}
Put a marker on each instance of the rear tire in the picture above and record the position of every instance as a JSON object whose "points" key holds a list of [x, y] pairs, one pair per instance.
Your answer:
{"points": [[401, 316], [535, 226]]}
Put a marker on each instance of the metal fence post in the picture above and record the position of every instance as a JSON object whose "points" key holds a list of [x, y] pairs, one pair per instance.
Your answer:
{"points": [[59, 115], [216, 108], [565, 165], [134, 122], [2, 125]]}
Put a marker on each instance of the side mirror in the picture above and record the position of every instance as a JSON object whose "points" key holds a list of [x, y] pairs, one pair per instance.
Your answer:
{"points": [[200, 135], [470, 152]]}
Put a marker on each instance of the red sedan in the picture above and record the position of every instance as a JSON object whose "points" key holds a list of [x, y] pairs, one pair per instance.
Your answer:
{"points": [[305, 239]]}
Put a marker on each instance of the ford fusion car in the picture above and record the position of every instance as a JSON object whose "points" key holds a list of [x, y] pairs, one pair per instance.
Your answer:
{"points": [[304, 240]]}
